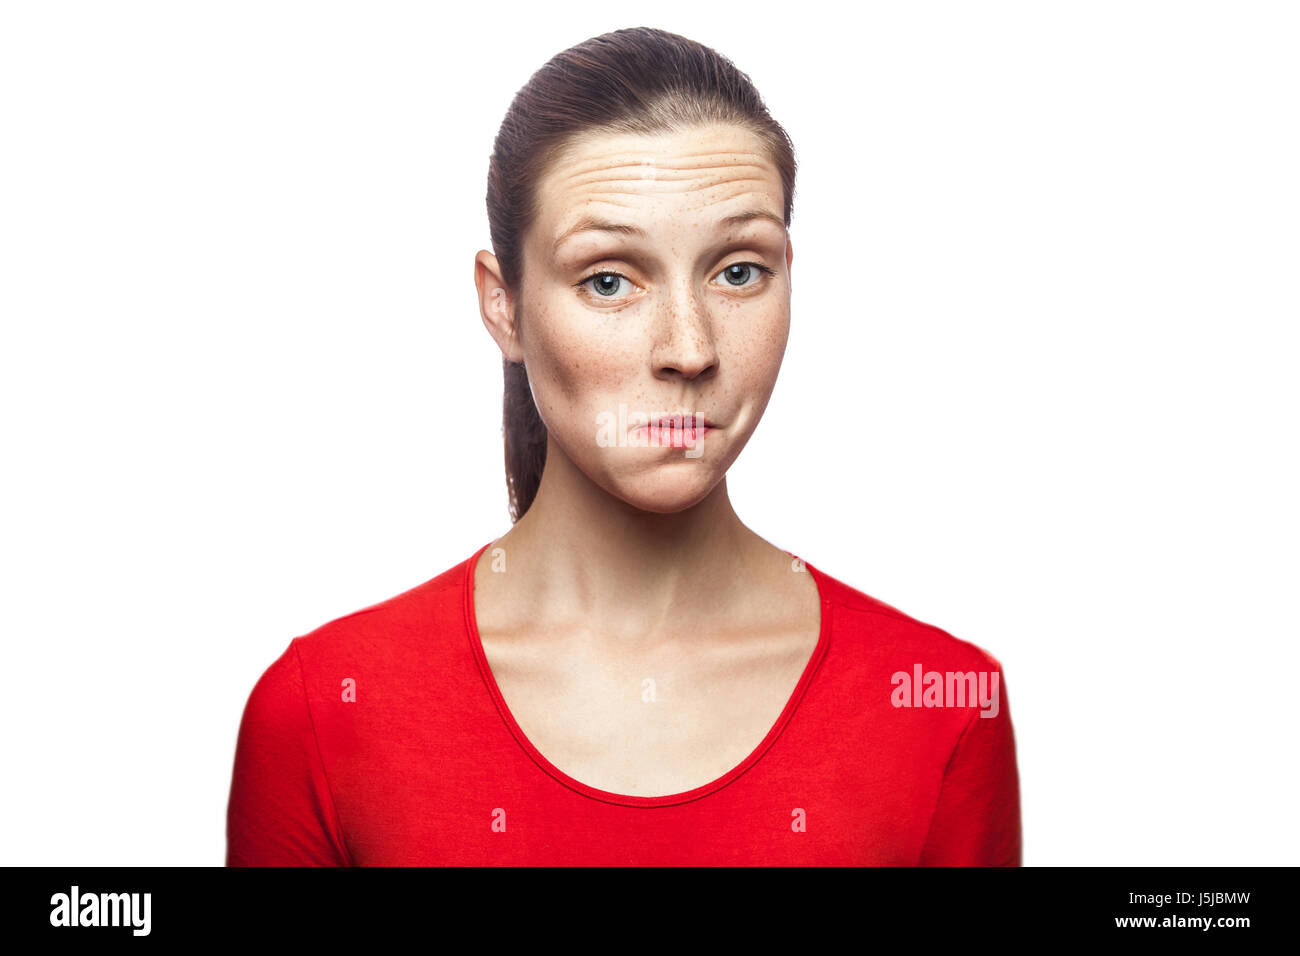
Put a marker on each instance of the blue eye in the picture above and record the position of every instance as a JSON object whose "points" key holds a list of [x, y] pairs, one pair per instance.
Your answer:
{"points": [[607, 284], [738, 274]]}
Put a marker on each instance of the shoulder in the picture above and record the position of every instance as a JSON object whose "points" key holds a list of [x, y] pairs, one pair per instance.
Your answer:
{"points": [[869, 624], [414, 625]]}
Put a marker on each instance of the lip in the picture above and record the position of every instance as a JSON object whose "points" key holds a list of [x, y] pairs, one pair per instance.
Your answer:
{"points": [[676, 431], [682, 420]]}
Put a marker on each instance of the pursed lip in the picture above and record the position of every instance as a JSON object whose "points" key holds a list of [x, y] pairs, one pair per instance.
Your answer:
{"points": [[685, 420]]}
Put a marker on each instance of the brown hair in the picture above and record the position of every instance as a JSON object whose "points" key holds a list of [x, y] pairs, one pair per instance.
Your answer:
{"points": [[638, 80]]}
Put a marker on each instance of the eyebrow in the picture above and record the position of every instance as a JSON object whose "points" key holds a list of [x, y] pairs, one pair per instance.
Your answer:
{"points": [[595, 224]]}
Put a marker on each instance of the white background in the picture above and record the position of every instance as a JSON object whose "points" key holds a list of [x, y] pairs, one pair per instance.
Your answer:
{"points": [[1040, 388]]}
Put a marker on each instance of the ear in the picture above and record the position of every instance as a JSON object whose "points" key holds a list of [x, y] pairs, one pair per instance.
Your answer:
{"points": [[496, 306], [789, 258]]}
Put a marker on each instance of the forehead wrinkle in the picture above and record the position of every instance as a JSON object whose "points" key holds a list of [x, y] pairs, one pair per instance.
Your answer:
{"points": [[576, 165], [668, 159], [688, 187], [776, 220], [589, 224], [722, 152], [714, 175], [669, 164], [701, 173]]}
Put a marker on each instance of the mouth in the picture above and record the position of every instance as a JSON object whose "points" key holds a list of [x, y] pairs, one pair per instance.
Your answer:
{"points": [[676, 431], [685, 420]]}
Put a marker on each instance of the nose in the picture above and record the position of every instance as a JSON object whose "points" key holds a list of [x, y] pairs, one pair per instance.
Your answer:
{"points": [[684, 345]]}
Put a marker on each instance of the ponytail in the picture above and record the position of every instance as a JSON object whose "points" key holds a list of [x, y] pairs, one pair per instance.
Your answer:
{"points": [[525, 439]]}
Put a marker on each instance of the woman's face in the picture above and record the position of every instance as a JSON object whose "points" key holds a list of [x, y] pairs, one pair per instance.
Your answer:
{"points": [[656, 282]]}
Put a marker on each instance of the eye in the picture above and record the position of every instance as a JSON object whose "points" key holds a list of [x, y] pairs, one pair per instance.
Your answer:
{"points": [[614, 286], [738, 275], [606, 284]]}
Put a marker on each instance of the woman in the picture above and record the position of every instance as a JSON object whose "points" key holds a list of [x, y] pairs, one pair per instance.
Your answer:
{"points": [[630, 675]]}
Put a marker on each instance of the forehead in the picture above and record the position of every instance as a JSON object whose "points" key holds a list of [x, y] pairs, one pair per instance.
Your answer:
{"points": [[690, 178]]}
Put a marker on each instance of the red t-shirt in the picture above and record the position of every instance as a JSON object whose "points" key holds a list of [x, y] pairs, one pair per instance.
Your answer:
{"points": [[381, 738]]}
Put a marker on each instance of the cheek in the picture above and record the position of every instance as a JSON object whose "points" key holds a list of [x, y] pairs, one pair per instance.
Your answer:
{"points": [[757, 346], [572, 360]]}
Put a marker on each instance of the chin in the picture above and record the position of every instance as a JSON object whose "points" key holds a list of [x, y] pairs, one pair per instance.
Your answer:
{"points": [[667, 488]]}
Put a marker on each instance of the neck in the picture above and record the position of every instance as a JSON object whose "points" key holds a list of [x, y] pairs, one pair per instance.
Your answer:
{"points": [[583, 554]]}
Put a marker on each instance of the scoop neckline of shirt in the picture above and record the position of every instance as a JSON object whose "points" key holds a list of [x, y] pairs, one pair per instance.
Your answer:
{"points": [[630, 800]]}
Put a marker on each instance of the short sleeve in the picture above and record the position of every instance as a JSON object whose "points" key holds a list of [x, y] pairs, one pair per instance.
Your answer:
{"points": [[976, 821], [281, 811]]}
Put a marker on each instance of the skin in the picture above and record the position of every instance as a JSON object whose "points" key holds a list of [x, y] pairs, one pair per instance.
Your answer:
{"points": [[631, 562]]}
